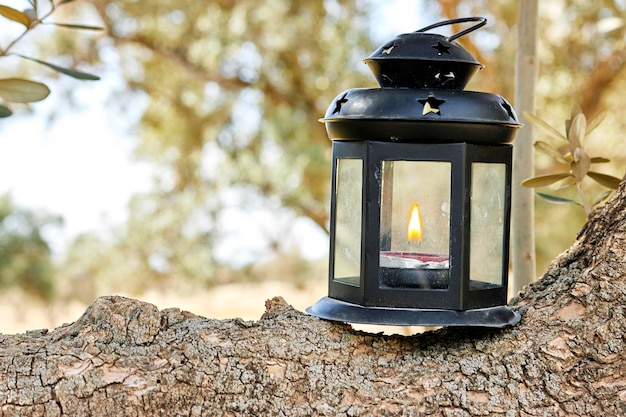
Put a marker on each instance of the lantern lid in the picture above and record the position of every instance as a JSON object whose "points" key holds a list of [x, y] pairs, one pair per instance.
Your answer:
{"points": [[425, 60], [420, 115]]}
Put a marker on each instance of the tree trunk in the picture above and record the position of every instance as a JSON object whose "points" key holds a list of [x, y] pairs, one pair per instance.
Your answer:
{"points": [[524, 259], [123, 357]]}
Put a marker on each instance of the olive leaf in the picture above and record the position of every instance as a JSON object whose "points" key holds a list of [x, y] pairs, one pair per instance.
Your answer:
{"points": [[15, 15], [544, 126], [67, 71], [608, 181], [545, 180], [5, 111], [550, 150], [581, 164], [576, 131], [557, 200], [576, 110], [576, 134], [18, 90], [602, 197], [566, 183], [74, 26]]}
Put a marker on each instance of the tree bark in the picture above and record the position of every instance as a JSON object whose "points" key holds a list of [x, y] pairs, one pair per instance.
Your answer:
{"points": [[123, 357]]}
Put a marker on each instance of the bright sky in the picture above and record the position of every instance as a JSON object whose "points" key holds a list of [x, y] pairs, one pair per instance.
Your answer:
{"points": [[81, 166], [77, 166]]}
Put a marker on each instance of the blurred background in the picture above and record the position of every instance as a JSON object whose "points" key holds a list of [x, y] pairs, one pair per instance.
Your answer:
{"points": [[195, 172]]}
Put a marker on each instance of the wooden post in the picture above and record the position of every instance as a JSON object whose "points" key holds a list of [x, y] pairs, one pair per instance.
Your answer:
{"points": [[523, 211]]}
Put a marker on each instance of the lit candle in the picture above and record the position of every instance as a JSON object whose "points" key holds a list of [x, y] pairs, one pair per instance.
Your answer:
{"points": [[415, 225], [416, 269]]}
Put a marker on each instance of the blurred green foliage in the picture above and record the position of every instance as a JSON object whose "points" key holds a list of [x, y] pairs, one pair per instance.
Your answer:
{"points": [[230, 95], [235, 93], [25, 260]]}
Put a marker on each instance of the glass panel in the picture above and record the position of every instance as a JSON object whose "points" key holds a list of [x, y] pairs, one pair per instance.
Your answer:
{"points": [[415, 224], [348, 201], [487, 225]]}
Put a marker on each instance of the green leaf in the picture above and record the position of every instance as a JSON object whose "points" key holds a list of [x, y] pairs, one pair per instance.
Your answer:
{"points": [[602, 197], [15, 15], [608, 181], [22, 91], [581, 164], [550, 150], [575, 111], [576, 135], [557, 200], [72, 26], [599, 160], [67, 71], [545, 180], [566, 183], [544, 126], [5, 111]]}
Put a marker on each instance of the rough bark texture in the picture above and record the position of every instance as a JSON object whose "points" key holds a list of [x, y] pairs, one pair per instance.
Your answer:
{"points": [[123, 357]]}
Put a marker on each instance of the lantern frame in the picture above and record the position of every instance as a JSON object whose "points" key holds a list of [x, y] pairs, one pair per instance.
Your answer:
{"points": [[371, 302], [420, 113]]}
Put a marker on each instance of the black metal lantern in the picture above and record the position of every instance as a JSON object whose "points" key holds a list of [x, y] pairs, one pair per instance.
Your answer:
{"points": [[420, 203]]}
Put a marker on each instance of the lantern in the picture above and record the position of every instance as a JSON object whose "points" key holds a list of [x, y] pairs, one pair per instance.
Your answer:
{"points": [[420, 203]]}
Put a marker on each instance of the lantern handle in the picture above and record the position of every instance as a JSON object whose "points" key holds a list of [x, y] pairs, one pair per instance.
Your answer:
{"points": [[482, 20]]}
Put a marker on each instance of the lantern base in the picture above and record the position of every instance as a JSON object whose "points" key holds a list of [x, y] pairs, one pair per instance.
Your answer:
{"points": [[331, 309]]}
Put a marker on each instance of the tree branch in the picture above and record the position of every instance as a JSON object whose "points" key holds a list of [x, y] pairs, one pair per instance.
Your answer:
{"points": [[124, 357], [600, 80]]}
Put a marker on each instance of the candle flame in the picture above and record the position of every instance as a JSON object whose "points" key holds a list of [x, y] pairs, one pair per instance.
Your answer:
{"points": [[415, 224]]}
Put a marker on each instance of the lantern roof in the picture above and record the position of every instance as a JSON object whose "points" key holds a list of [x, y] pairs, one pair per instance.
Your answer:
{"points": [[422, 59], [421, 97], [421, 115]]}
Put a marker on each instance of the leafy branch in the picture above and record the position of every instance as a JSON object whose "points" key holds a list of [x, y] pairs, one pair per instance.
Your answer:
{"points": [[21, 90], [576, 158]]}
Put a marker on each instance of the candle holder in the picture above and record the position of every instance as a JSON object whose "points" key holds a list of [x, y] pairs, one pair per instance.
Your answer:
{"points": [[421, 189]]}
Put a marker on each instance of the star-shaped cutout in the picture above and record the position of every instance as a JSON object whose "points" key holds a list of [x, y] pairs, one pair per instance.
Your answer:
{"points": [[343, 100], [444, 78], [441, 48], [431, 105], [387, 51], [508, 109]]}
